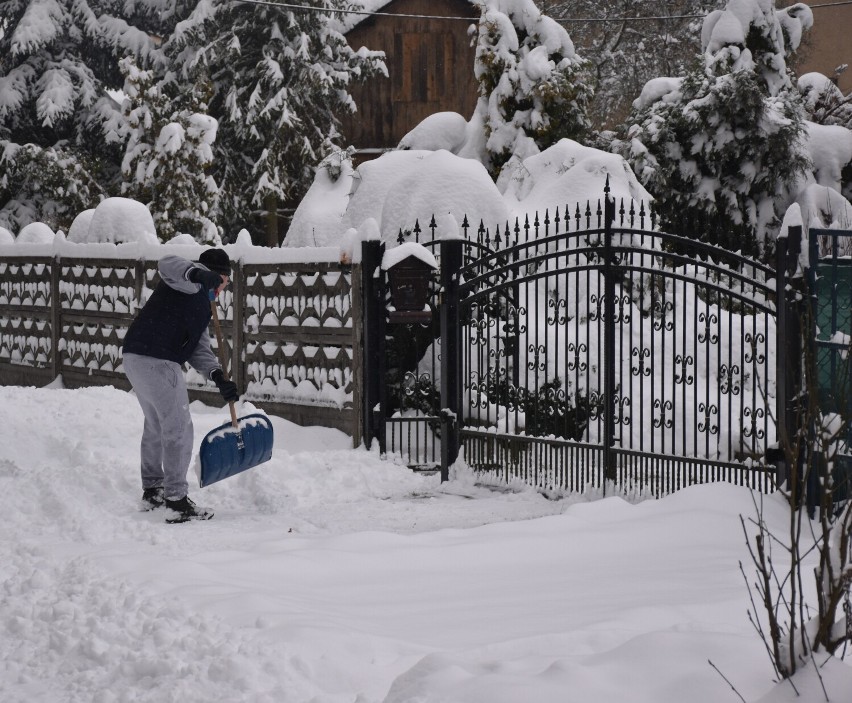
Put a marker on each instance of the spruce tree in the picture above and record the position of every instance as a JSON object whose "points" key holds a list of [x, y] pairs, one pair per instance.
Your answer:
{"points": [[280, 79], [723, 146]]}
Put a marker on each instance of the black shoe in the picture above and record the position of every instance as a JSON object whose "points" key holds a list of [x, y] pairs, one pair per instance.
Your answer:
{"points": [[184, 510], [153, 498]]}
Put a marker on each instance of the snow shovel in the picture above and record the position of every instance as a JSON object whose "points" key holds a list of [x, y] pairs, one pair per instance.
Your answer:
{"points": [[237, 445]]}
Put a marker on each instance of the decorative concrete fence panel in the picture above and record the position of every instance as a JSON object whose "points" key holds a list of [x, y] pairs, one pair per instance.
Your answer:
{"points": [[289, 322]]}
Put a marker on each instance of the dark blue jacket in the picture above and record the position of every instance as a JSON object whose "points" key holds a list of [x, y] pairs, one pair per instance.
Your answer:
{"points": [[170, 325]]}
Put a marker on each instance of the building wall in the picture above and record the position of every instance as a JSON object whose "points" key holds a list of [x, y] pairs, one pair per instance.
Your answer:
{"points": [[430, 66], [829, 43]]}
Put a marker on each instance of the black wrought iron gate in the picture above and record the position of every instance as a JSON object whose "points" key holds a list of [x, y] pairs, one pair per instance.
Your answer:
{"points": [[592, 350]]}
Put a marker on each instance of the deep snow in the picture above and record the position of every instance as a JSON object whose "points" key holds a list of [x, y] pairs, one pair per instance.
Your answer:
{"points": [[329, 575]]}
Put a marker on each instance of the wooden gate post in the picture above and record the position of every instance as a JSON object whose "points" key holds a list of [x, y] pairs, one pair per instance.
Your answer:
{"points": [[451, 351]]}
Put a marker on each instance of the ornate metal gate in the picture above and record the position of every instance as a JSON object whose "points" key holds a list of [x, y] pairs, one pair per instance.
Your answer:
{"points": [[590, 350]]}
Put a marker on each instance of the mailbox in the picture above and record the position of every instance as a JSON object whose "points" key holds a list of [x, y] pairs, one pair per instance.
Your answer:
{"points": [[409, 285]]}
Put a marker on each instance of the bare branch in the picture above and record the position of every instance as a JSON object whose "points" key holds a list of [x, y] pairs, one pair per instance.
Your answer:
{"points": [[733, 688]]}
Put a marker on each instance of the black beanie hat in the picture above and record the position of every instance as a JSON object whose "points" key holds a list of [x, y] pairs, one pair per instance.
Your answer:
{"points": [[216, 260]]}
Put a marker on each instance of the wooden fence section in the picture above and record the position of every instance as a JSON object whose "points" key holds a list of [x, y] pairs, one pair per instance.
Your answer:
{"points": [[291, 330]]}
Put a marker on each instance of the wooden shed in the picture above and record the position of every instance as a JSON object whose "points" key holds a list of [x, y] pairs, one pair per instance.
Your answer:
{"points": [[430, 62], [827, 44]]}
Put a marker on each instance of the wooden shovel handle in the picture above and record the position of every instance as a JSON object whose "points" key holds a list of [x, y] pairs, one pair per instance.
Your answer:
{"points": [[221, 348]]}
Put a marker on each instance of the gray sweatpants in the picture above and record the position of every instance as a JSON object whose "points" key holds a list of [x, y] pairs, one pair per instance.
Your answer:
{"points": [[167, 437]]}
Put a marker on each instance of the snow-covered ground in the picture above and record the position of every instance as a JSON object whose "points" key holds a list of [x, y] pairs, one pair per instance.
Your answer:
{"points": [[331, 576]]}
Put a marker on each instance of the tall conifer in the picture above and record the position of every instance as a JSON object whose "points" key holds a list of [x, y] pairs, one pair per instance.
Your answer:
{"points": [[723, 145], [60, 131]]}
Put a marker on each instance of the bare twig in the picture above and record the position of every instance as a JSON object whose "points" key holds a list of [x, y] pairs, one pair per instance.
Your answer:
{"points": [[733, 688], [819, 676]]}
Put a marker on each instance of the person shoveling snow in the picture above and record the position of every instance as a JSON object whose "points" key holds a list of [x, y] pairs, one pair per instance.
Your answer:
{"points": [[170, 330]]}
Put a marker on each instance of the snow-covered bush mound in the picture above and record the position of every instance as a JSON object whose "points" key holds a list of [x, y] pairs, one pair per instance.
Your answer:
{"points": [[403, 187], [437, 184], [396, 190], [317, 220], [181, 240], [121, 220], [6, 237], [813, 85], [824, 102], [36, 233], [443, 130], [824, 208], [830, 150], [567, 174], [79, 232]]}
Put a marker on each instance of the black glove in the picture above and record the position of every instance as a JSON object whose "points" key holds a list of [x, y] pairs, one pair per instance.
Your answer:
{"points": [[228, 389], [208, 279]]}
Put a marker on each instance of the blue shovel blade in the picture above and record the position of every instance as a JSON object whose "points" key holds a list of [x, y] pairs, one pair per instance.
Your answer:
{"points": [[227, 451]]}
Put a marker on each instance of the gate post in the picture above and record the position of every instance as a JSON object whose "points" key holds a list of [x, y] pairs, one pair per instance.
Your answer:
{"points": [[55, 317], [792, 395], [451, 403], [373, 373], [610, 473]]}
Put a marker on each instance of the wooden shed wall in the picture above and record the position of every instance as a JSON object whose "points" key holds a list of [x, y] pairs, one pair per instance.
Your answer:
{"points": [[828, 44], [430, 69]]}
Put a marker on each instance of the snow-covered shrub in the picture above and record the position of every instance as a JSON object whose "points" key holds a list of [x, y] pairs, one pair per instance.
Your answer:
{"points": [[49, 184], [403, 187], [79, 231], [568, 174], [724, 144], [824, 102], [826, 106], [396, 191], [35, 233], [118, 220], [441, 130]]}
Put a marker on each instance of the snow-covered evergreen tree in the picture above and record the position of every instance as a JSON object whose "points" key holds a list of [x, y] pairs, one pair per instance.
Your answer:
{"points": [[723, 144], [169, 151], [60, 132], [533, 91], [280, 79]]}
